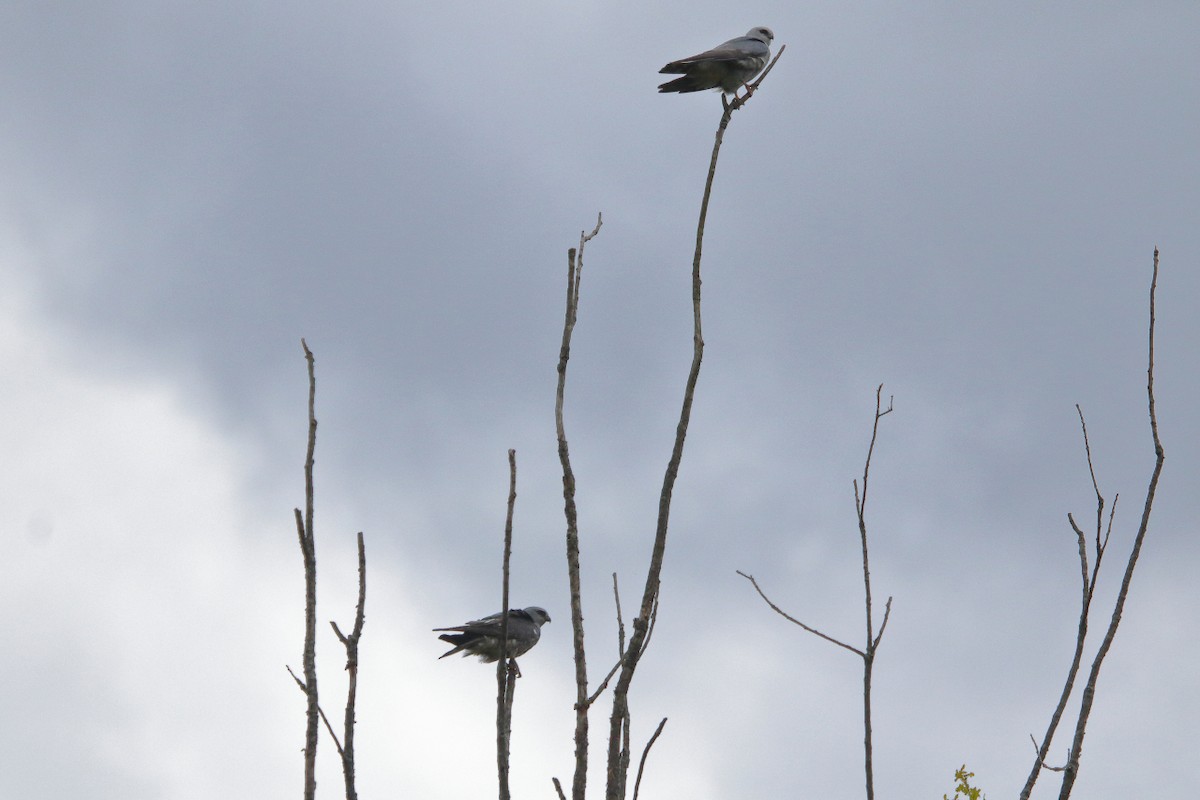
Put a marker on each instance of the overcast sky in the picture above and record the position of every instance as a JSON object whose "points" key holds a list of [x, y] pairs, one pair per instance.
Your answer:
{"points": [[957, 200]]}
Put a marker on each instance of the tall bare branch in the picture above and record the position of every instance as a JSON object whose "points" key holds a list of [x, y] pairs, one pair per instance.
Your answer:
{"points": [[1089, 691], [505, 669], [574, 276], [1088, 590], [618, 750], [867, 653], [304, 528], [1103, 530], [860, 502], [351, 644]]}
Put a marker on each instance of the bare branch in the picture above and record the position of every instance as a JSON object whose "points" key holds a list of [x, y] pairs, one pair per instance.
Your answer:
{"points": [[637, 784], [873, 639], [1083, 558], [604, 683], [308, 551], [1089, 691], [620, 620], [650, 628], [1038, 755], [1112, 513], [505, 669], [618, 756], [620, 647], [558, 788], [1087, 449], [320, 710], [887, 613], [795, 621], [860, 504], [574, 277], [1071, 769], [351, 644]]}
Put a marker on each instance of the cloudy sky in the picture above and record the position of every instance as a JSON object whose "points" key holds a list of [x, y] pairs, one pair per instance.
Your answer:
{"points": [[957, 200]]}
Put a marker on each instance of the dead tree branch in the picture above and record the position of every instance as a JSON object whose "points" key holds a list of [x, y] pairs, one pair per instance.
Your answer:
{"points": [[325, 719], [304, 528], [351, 644], [618, 749], [637, 784], [1089, 691], [582, 702], [867, 654], [1103, 531], [620, 647], [1087, 592], [795, 621], [860, 502], [506, 674]]}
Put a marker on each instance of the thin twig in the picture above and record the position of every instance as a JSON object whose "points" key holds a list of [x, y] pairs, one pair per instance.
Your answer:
{"points": [[795, 621], [620, 646], [887, 613], [637, 784], [558, 788], [1089, 586], [1037, 754], [867, 654], [604, 683], [620, 620], [1081, 539], [320, 711]]}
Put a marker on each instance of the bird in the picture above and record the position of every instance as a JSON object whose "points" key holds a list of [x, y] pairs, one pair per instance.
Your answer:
{"points": [[481, 637], [727, 66]]}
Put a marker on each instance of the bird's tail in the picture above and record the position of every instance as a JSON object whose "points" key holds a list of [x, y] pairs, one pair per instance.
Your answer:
{"points": [[458, 640]]}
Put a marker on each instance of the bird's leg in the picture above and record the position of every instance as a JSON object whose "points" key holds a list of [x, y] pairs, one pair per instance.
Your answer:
{"points": [[513, 668], [738, 99]]}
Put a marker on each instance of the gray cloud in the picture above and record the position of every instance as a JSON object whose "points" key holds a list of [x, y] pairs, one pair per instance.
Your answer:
{"points": [[957, 202]]}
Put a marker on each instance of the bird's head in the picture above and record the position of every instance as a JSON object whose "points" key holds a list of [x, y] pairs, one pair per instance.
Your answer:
{"points": [[538, 615], [762, 33]]}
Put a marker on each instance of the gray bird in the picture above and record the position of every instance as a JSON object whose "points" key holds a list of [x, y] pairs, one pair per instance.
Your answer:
{"points": [[727, 67], [481, 637]]}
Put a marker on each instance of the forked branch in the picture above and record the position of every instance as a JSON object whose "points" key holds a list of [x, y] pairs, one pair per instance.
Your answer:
{"points": [[351, 644], [1089, 691], [867, 653], [304, 529], [1103, 530]]}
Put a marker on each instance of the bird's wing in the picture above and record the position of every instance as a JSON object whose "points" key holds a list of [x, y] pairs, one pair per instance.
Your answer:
{"points": [[739, 49], [490, 625]]}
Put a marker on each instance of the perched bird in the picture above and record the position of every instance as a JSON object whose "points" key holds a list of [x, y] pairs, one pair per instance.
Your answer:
{"points": [[481, 637], [727, 67]]}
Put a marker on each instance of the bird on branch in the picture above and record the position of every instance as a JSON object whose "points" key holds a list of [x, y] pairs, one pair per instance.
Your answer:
{"points": [[481, 637]]}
